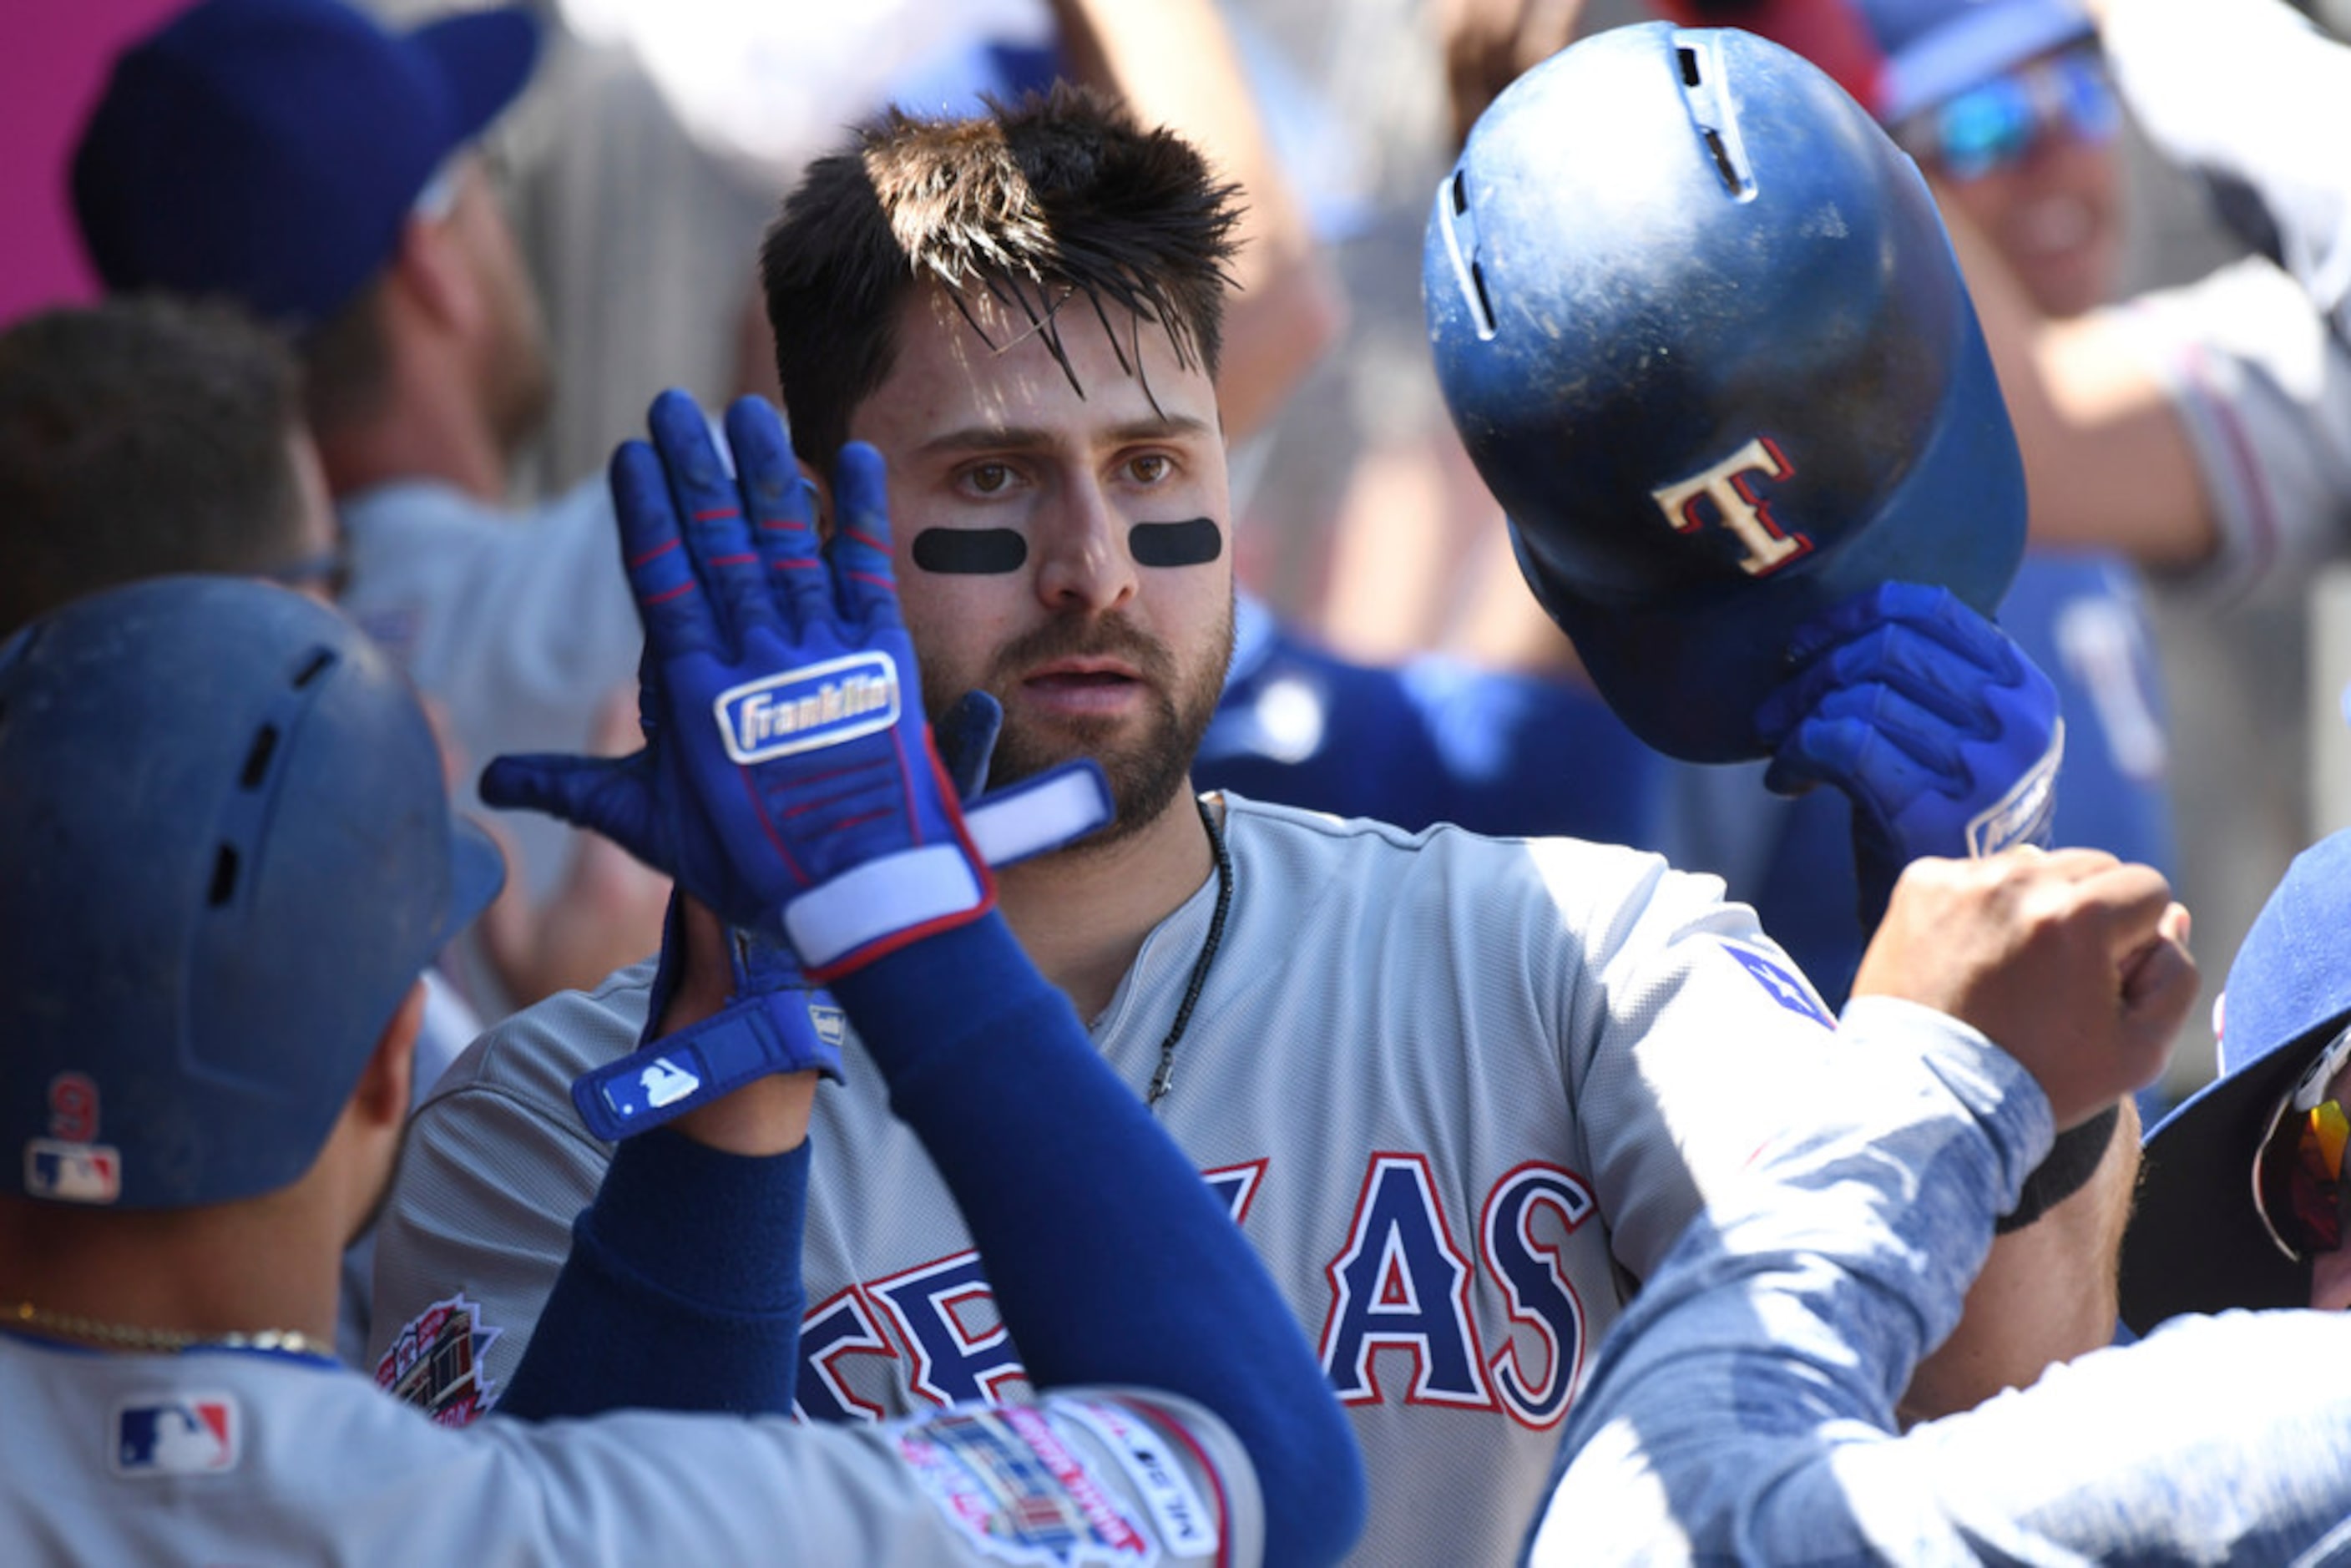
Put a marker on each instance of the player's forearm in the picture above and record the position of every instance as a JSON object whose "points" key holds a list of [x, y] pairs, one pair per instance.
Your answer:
{"points": [[2046, 1292], [767, 1116], [1064, 1178], [682, 1290], [1803, 1296]]}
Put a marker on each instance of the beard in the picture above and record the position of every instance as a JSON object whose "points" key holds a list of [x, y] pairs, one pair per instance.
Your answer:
{"points": [[1146, 767]]}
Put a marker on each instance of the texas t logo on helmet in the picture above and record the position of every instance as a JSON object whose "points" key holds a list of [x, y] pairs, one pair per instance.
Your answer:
{"points": [[1681, 270], [1728, 488]]}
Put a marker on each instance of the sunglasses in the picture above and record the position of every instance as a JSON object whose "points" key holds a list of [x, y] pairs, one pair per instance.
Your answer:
{"points": [[1996, 124], [2299, 1188]]}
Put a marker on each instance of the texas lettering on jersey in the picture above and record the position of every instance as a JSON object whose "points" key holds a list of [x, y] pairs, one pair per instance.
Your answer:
{"points": [[1400, 1281]]}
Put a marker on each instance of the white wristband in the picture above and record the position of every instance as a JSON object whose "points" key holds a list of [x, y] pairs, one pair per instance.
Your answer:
{"points": [[869, 902]]}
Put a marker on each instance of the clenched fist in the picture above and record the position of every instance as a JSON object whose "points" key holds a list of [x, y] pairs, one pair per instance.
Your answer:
{"points": [[2072, 961]]}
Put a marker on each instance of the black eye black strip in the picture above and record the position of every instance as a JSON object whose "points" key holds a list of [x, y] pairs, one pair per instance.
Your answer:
{"points": [[970, 552], [1192, 542]]}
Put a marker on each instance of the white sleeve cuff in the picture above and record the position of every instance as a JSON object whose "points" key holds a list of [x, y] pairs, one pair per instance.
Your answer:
{"points": [[896, 892]]}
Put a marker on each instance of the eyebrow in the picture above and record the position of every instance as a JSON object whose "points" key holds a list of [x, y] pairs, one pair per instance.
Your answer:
{"points": [[1030, 438]]}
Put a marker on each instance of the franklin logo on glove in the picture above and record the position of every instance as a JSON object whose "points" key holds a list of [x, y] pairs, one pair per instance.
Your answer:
{"points": [[815, 705]]}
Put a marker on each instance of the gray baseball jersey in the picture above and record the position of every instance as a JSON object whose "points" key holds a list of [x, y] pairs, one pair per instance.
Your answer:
{"points": [[236, 1457], [1451, 1085]]}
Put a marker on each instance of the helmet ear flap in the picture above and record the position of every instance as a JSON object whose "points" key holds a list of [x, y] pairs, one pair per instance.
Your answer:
{"points": [[1700, 326]]}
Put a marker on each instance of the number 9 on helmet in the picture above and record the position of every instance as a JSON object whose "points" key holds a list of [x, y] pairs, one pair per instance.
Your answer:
{"points": [[1700, 328]]}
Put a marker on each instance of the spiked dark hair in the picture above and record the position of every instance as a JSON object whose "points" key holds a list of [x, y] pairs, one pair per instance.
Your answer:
{"points": [[1055, 198]]}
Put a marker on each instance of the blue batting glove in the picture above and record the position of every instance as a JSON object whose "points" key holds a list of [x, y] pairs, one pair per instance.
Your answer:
{"points": [[965, 736], [1944, 736], [789, 783], [781, 1022]]}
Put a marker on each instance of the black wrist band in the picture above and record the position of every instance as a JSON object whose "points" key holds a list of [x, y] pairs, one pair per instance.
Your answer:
{"points": [[2072, 1159]]}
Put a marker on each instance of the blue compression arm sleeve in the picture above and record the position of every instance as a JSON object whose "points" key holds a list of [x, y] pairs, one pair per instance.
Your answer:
{"points": [[1111, 1260], [666, 1301]]}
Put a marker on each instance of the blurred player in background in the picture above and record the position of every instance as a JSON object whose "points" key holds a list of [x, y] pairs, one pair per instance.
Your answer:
{"points": [[295, 158], [146, 435]]}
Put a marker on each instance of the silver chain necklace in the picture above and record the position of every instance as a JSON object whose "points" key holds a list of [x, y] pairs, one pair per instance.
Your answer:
{"points": [[1164, 1079]]}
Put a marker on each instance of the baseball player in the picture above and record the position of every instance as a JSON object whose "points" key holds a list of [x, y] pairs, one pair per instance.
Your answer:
{"points": [[1458, 1090], [162, 397], [1803, 1299], [200, 1131], [326, 174]]}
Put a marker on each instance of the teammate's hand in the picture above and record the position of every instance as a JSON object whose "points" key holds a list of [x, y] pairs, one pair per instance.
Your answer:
{"points": [[2072, 961], [1944, 736], [788, 781], [729, 1008]]}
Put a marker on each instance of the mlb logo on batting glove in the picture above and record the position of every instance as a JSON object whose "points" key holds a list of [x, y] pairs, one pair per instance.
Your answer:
{"points": [[761, 1034]]}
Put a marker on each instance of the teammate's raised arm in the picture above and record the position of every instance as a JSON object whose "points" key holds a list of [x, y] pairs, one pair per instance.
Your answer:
{"points": [[1744, 1405]]}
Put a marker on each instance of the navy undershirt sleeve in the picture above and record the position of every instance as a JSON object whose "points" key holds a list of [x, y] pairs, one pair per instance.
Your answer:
{"points": [[1112, 1261], [682, 1291]]}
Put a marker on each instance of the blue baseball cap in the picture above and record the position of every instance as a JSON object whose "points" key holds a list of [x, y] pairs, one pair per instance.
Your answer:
{"points": [[269, 151], [1935, 49], [2197, 1241]]}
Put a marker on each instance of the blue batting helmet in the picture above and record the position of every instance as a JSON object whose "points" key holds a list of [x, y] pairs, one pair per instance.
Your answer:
{"points": [[1700, 328], [225, 855]]}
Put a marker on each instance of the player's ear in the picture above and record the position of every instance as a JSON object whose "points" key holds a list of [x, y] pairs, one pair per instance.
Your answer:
{"points": [[432, 271], [381, 1097]]}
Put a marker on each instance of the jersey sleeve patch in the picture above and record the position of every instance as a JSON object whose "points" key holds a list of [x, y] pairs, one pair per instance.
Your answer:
{"points": [[1782, 983], [1007, 1477], [435, 1363], [1187, 1524]]}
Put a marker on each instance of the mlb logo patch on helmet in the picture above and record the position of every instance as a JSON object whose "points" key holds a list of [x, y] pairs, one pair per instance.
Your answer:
{"points": [[72, 1173], [176, 1435], [813, 707]]}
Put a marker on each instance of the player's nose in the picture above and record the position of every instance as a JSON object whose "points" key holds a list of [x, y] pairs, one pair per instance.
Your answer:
{"points": [[1086, 563]]}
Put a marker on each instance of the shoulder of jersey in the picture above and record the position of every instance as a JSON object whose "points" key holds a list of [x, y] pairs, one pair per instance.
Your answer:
{"points": [[534, 1054]]}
